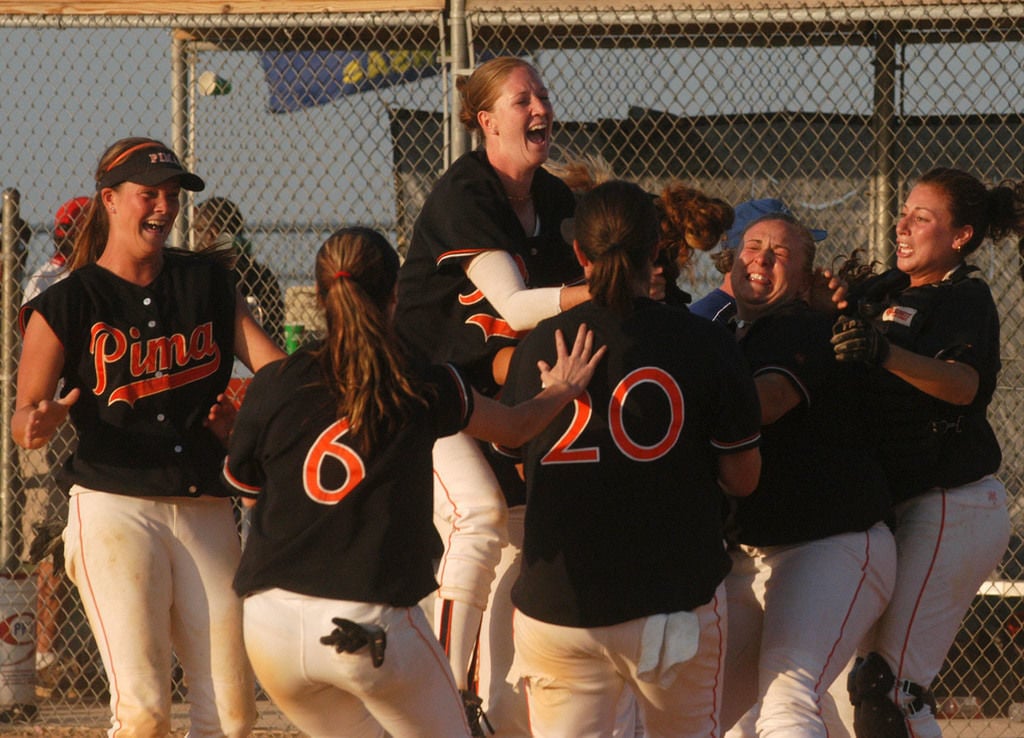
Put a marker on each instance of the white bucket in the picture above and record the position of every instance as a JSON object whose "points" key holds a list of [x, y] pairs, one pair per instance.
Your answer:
{"points": [[17, 639]]}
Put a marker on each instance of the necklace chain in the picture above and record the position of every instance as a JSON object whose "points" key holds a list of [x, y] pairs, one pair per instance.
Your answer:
{"points": [[524, 198]]}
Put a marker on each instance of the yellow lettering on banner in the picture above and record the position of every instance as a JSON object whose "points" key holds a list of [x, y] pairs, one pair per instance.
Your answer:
{"points": [[401, 61], [353, 73], [380, 64], [377, 65]]}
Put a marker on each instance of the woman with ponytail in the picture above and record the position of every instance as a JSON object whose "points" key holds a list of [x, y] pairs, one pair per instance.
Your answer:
{"points": [[932, 347], [142, 337], [623, 561], [334, 443]]}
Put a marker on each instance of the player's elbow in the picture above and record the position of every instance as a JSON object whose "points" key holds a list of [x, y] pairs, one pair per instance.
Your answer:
{"points": [[518, 321], [739, 473]]}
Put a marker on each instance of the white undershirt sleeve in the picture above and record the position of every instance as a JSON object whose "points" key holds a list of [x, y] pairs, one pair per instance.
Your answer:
{"points": [[495, 274]]}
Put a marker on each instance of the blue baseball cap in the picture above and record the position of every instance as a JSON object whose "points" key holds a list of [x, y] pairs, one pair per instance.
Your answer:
{"points": [[747, 212]]}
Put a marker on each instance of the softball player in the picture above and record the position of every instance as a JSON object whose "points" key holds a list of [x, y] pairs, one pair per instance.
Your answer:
{"points": [[463, 298], [621, 581], [335, 443], [934, 349], [815, 565], [142, 338]]}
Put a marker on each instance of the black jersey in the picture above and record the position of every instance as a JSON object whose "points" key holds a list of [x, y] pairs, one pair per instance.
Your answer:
{"points": [[440, 311], [623, 514], [819, 471], [150, 362], [329, 522], [926, 442]]}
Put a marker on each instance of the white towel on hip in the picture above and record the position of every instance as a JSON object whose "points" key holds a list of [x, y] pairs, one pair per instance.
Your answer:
{"points": [[667, 641]]}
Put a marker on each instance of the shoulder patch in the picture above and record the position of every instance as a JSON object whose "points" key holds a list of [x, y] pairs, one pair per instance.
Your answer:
{"points": [[899, 314]]}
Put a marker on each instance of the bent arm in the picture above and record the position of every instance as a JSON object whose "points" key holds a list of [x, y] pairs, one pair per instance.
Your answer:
{"points": [[739, 473], [513, 426], [777, 396], [566, 380], [495, 273], [253, 346], [950, 381], [37, 415]]}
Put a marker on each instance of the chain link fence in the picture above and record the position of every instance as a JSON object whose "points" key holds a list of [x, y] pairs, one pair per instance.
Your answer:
{"points": [[307, 123]]}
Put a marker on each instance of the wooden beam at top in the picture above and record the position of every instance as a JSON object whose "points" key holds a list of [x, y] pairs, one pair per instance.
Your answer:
{"points": [[224, 7]]}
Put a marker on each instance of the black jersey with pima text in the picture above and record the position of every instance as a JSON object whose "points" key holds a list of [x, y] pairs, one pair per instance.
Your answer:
{"points": [[329, 521], [926, 442], [440, 311], [820, 475], [623, 513], [150, 362]]}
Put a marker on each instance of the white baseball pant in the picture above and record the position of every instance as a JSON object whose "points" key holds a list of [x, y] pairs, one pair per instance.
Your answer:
{"points": [[948, 542], [576, 678], [503, 701], [809, 605], [155, 573], [328, 694], [470, 515]]}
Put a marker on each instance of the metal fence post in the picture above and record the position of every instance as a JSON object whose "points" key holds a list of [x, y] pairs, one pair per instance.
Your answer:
{"points": [[10, 237]]}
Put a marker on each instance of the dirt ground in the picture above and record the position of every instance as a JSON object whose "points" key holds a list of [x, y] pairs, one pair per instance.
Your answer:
{"points": [[48, 731], [82, 721], [42, 729]]}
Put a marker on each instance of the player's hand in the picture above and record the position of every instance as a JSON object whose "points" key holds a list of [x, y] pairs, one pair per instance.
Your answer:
{"points": [[573, 369], [854, 339], [828, 291], [46, 417], [221, 418]]}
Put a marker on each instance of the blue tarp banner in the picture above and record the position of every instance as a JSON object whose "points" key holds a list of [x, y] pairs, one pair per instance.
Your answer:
{"points": [[302, 79]]}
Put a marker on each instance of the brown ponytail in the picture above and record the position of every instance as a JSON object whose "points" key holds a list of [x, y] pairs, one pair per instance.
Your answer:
{"points": [[360, 359], [616, 227]]}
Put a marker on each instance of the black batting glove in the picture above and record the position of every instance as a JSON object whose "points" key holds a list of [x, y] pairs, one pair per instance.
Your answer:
{"points": [[855, 339], [475, 715]]}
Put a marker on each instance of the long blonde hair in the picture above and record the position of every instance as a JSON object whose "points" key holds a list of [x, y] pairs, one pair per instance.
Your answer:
{"points": [[360, 359]]}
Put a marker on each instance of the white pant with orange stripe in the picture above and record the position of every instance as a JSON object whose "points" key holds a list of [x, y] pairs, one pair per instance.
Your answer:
{"points": [[949, 541], [471, 516], [325, 693], [152, 573], [576, 678], [796, 617]]}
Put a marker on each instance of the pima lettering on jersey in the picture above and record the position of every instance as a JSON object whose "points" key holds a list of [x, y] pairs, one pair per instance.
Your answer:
{"points": [[181, 360]]}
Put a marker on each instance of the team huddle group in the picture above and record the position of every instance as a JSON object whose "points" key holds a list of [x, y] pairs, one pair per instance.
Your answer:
{"points": [[625, 515]]}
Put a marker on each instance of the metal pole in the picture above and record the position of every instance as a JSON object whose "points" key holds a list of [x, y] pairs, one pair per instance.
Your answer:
{"points": [[459, 60], [883, 122], [10, 294], [179, 121]]}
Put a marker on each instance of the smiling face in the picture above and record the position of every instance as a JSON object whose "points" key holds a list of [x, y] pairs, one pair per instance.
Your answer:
{"points": [[927, 242], [517, 128], [772, 267], [141, 216]]}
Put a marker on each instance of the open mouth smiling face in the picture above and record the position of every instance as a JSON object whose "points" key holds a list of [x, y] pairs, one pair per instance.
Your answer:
{"points": [[771, 266]]}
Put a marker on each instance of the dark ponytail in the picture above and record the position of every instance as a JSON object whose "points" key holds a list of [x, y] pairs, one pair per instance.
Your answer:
{"points": [[616, 226], [360, 359]]}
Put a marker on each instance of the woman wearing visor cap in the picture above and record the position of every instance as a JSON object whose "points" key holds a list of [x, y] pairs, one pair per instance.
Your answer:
{"points": [[143, 336]]}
